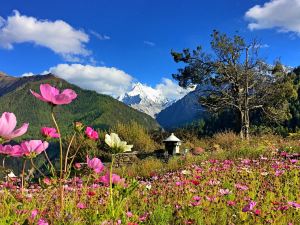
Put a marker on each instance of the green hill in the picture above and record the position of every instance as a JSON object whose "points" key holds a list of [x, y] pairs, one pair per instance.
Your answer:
{"points": [[90, 108]]}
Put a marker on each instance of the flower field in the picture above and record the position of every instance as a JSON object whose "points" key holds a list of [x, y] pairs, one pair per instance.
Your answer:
{"points": [[265, 190]]}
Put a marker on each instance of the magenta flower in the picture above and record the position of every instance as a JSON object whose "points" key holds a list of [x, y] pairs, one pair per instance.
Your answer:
{"points": [[77, 166], [224, 191], [241, 187], [51, 95], [129, 214], [47, 181], [91, 133], [4, 150], [81, 205], [95, 164], [42, 222], [196, 198], [294, 204], [34, 213], [8, 123], [14, 151], [34, 147], [249, 206], [115, 179], [231, 203], [49, 132]]}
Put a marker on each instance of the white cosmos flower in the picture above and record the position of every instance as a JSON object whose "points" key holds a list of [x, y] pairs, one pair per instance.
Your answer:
{"points": [[115, 143]]}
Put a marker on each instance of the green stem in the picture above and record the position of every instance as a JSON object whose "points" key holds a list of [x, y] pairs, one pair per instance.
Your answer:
{"points": [[110, 186], [66, 158], [23, 172], [61, 162], [35, 167], [49, 161], [3, 162], [72, 157]]}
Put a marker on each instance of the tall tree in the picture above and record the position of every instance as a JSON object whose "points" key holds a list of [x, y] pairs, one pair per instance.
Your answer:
{"points": [[237, 79]]}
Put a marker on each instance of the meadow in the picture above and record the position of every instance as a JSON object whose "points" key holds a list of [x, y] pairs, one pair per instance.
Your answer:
{"points": [[230, 182]]}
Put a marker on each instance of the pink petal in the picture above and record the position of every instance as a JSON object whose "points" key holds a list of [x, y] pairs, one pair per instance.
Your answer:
{"points": [[8, 124], [48, 92], [61, 99], [19, 132], [38, 96], [70, 93]]}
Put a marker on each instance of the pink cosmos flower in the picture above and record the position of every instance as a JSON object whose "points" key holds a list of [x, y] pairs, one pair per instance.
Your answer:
{"points": [[14, 151], [47, 181], [257, 212], [293, 161], [81, 205], [241, 187], [294, 204], [195, 203], [42, 222], [129, 214], [196, 198], [34, 147], [224, 191], [115, 178], [77, 166], [34, 213], [51, 95], [249, 206], [95, 164], [231, 203], [8, 123], [178, 183], [143, 217], [49, 132], [91, 133], [279, 173], [211, 198], [5, 149]]}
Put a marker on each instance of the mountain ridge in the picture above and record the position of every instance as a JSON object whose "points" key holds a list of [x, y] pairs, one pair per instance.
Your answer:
{"points": [[183, 111]]}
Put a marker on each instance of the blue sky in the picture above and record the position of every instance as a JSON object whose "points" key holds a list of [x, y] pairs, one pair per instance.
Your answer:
{"points": [[115, 43]]}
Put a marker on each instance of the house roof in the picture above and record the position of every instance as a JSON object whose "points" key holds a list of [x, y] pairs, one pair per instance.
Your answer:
{"points": [[172, 138]]}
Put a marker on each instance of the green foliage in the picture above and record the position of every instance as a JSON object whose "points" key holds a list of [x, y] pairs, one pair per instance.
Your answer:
{"points": [[161, 215]]}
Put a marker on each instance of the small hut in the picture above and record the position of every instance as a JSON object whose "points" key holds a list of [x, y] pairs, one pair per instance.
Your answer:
{"points": [[172, 144]]}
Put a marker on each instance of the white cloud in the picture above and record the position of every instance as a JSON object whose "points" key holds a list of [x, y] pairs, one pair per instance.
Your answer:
{"points": [[106, 80], [27, 74], [282, 15], [172, 90], [57, 35], [149, 43], [111, 81], [101, 37]]}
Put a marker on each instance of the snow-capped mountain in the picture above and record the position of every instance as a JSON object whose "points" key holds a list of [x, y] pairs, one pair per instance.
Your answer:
{"points": [[145, 99]]}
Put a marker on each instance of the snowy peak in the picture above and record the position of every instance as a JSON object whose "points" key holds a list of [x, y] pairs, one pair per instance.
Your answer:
{"points": [[145, 99], [145, 92]]}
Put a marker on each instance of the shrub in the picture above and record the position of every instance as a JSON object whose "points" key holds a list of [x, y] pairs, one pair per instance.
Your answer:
{"points": [[227, 140], [136, 135]]}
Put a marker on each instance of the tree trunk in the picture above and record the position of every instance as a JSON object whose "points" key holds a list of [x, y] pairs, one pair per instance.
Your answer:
{"points": [[242, 134], [246, 125]]}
